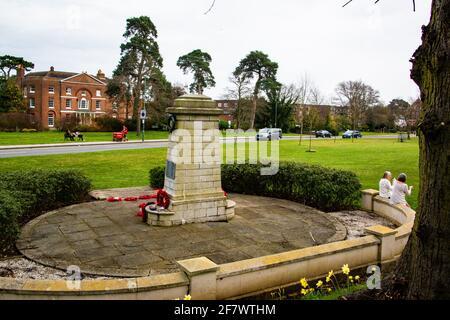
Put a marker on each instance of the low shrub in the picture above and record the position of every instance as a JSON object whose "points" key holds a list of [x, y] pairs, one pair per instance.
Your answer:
{"points": [[223, 125], [108, 124], [156, 176], [10, 210], [323, 188], [27, 194], [16, 121], [316, 186]]}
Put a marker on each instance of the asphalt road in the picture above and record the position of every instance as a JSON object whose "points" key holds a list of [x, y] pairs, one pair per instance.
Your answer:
{"points": [[82, 148]]}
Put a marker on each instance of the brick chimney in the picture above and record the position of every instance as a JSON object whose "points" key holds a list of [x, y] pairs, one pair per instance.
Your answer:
{"points": [[52, 68], [20, 75]]}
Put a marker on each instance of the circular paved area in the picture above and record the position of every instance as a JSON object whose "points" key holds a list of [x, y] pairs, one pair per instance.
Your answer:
{"points": [[105, 238]]}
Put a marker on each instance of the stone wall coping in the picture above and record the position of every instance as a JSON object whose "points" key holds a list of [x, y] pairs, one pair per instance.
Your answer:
{"points": [[381, 231], [370, 191], [406, 211], [271, 261], [94, 287], [197, 266]]}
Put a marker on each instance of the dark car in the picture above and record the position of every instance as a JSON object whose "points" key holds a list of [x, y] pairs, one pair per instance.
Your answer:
{"points": [[323, 134], [349, 133]]}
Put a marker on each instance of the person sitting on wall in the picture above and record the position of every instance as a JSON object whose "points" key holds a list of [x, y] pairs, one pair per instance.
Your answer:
{"points": [[400, 191], [386, 186]]}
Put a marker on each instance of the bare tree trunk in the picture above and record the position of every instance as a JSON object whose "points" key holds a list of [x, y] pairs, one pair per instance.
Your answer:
{"points": [[425, 263], [253, 115]]}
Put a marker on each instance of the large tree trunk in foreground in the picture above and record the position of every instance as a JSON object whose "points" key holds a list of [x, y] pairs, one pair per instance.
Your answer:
{"points": [[425, 263]]}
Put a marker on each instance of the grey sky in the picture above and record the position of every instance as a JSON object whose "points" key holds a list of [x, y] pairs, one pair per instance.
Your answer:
{"points": [[361, 41]]}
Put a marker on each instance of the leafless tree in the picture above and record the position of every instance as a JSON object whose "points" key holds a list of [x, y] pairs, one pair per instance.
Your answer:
{"points": [[239, 90], [357, 97]]}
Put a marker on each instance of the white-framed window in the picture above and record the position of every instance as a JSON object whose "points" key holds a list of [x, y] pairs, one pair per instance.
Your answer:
{"points": [[32, 103], [98, 104], [51, 89], [51, 103], [32, 89], [98, 93], [69, 91], [68, 103], [83, 104], [51, 119], [83, 93]]}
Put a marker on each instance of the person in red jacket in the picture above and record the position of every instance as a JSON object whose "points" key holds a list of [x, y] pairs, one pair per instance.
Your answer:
{"points": [[125, 133]]}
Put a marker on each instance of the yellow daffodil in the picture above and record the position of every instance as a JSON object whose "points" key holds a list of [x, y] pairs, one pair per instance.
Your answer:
{"points": [[304, 283], [187, 297], [350, 278], [311, 290], [304, 292], [330, 274], [329, 290], [345, 269], [319, 283], [357, 278]]}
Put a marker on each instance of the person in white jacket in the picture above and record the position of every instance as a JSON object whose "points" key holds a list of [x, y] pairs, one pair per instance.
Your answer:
{"points": [[400, 191], [385, 185]]}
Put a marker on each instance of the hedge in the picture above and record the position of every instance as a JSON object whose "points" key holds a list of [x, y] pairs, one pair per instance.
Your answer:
{"points": [[316, 186], [27, 194], [156, 176], [313, 185]]}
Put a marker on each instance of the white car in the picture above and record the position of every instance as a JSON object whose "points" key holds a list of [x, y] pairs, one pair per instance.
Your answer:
{"points": [[269, 134]]}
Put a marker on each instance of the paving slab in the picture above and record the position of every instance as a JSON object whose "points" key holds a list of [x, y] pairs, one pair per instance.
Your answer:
{"points": [[108, 239]]}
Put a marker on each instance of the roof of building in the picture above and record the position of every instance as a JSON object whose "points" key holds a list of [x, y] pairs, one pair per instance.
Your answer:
{"points": [[61, 75], [51, 74]]}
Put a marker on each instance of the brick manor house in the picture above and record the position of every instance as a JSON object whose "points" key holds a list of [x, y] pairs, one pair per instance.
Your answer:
{"points": [[54, 96]]}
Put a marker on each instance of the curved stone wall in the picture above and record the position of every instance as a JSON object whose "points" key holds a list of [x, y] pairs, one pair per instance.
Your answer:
{"points": [[203, 279]]}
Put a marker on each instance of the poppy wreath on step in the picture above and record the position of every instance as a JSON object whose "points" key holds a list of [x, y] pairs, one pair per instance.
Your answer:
{"points": [[162, 199]]}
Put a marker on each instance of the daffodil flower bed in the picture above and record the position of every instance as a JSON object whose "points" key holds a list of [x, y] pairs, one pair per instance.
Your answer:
{"points": [[332, 287]]}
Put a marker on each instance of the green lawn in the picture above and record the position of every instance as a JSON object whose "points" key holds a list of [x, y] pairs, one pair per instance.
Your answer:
{"points": [[18, 138], [367, 158]]}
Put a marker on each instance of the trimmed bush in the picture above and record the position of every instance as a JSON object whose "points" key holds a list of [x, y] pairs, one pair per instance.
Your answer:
{"points": [[156, 176], [27, 194], [316, 186], [108, 124], [10, 210]]}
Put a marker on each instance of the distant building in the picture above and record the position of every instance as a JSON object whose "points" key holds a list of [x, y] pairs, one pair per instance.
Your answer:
{"points": [[54, 96]]}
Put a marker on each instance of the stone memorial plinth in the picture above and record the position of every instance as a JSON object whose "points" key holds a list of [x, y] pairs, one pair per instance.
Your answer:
{"points": [[193, 167]]}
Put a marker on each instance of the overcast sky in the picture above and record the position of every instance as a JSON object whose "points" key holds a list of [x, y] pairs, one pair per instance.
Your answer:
{"points": [[362, 41]]}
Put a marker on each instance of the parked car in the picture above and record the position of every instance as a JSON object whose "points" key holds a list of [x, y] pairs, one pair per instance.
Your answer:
{"points": [[349, 133], [323, 134], [269, 134]]}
